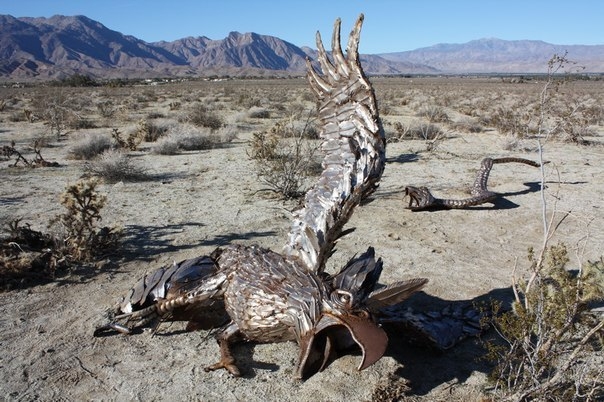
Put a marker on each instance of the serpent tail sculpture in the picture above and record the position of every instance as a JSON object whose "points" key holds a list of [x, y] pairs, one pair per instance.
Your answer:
{"points": [[420, 198]]}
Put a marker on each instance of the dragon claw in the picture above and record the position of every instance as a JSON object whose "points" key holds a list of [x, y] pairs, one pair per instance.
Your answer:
{"points": [[228, 364], [227, 361]]}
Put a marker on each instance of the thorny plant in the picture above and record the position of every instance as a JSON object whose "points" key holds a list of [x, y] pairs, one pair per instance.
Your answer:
{"points": [[550, 332], [131, 142], [83, 240], [9, 151], [285, 158], [28, 256]]}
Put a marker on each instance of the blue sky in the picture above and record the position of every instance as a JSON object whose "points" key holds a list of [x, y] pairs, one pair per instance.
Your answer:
{"points": [[390, 25]]}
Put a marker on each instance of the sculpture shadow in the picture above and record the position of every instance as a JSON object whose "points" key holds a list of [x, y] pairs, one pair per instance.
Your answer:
{"points": [[502, 202], [244, 352], [426, 368], [403, 158], [246, 362], [13, 200], [224, 239], [146, 242], [531, 187]]}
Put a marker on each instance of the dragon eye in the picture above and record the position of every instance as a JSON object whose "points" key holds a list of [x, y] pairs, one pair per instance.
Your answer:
{"points": [[342, 298]]}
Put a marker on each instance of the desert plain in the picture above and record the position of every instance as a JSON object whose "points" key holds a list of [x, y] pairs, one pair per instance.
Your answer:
{"points": [[192, 201]]}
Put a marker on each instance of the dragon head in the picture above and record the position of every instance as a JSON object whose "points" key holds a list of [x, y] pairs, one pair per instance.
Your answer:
{"points": [[419, 198], [348, 315]]}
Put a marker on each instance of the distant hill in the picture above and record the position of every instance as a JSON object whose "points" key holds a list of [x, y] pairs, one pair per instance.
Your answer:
{"points": [[500, 56], [60, 46], [57, 47]]}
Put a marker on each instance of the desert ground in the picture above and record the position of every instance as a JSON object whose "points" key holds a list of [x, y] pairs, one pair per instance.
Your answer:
{"points": [[193, 201]]}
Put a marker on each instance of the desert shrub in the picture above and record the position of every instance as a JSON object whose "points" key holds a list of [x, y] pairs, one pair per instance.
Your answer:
{"points": [[399, 131], [550, 334], [83, 240], [22, 261], [552, 338], [186, 137], [197, 141], [29, 115], [256, 112], [106, 109], [16, 117], [90, 146], [467, 125], [29, 257], [145, 96], [284, 158], [248, 100], [114, 166], [57, 109], [573, 129], [78, 122], [425, 131], [166, 146], [310, 131], [594, 114], [391, 388], [386, 108], [567, 122], [131, 142], [508, 120], [307, 96], [200, 115], [263, 146], [434, 114], [150, 131], [416, 131], [155, 115], [8, 151], [550, 115]]}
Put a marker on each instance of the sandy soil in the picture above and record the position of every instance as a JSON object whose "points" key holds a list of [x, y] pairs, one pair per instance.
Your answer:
{"points": [[205, 199]]}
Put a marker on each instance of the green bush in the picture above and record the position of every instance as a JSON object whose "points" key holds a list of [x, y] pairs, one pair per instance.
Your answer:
{"points": [[550, 334]]}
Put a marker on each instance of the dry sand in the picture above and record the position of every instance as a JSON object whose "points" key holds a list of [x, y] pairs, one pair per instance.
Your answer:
{"points": [[201, 200]]}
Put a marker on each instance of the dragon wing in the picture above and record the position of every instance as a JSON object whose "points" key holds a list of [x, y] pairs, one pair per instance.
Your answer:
{"points": [[188, 291], [354, 147]]}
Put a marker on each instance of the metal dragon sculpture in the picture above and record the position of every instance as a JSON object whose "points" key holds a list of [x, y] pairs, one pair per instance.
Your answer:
{"points": [[256, 294]]}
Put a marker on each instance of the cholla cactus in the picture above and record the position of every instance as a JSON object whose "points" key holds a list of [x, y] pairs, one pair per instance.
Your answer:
{"points": [[84, 206]]}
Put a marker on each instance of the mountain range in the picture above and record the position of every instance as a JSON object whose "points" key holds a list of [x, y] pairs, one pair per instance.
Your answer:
{"points": [[60, 46]]}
